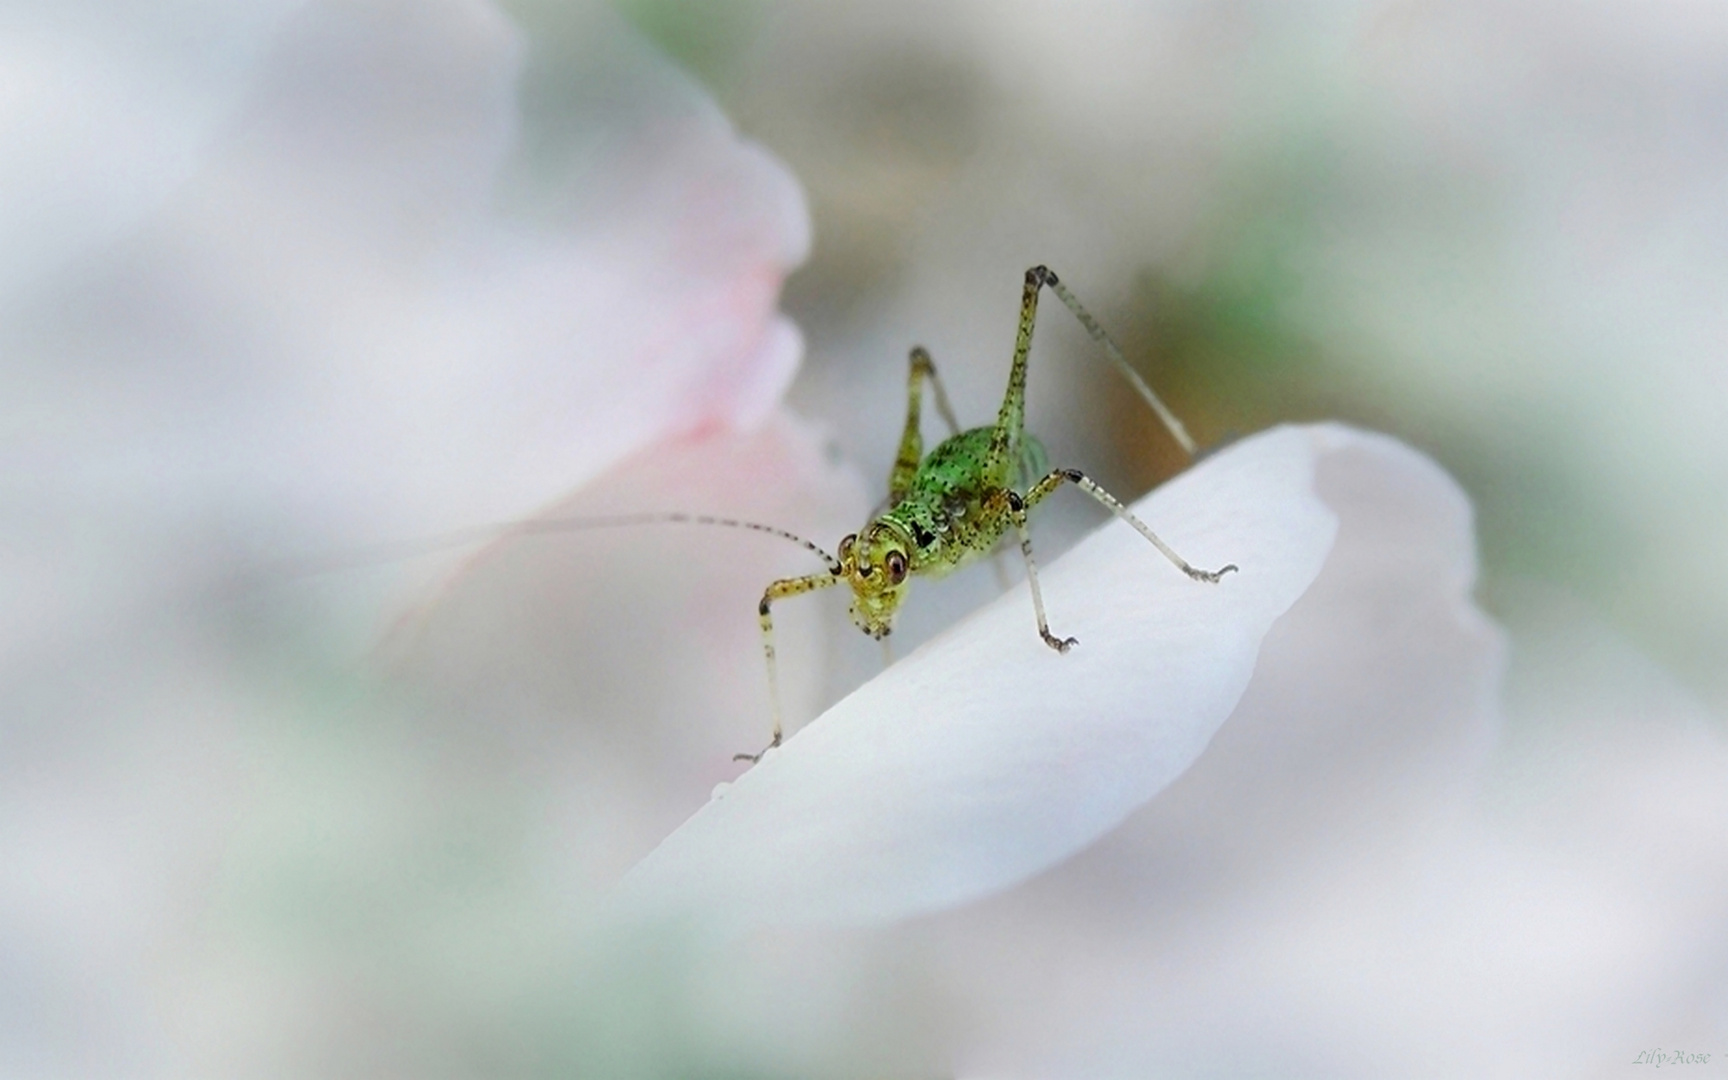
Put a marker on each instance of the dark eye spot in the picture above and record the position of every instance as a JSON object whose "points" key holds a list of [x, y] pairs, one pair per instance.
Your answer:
{"points": [[896, 567]]}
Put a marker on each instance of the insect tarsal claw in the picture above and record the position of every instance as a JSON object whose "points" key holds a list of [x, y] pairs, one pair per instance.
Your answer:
{"points": [[760, 754], [1213, 575], [1061, 645]]}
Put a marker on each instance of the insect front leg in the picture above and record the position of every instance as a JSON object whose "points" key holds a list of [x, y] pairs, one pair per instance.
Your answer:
{"points": [[778, 590], [1042, 489], [912, 440]]}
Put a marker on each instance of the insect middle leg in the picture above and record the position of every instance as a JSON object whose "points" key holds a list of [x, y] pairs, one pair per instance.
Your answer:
{"points": [[776, 591], [1015, 509], [912, 439], [1042, 489]]}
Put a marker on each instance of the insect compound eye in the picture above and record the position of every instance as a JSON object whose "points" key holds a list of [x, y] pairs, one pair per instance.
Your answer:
{"points": [[896, 563]]}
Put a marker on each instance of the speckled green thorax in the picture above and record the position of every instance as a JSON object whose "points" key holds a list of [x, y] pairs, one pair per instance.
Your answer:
{"points": [[944, 512]]}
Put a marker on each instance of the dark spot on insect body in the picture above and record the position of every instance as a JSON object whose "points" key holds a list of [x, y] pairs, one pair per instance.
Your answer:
{"points": [[1015, 502], [1074, 475], [762, 608], [923, 536]]}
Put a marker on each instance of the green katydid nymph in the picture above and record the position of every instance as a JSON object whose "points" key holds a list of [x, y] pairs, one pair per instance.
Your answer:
{"points": [[955, 504]]}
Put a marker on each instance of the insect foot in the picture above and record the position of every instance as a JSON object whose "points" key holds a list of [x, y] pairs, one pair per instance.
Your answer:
{"points": [[758, 755], [1211, 575], [1061, 645]]}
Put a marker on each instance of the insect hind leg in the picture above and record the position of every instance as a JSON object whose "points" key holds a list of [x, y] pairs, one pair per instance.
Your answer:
{"points": [[1011, 419]]}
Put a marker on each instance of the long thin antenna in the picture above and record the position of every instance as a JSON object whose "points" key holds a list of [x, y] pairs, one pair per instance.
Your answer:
{"points": [[553, 525], [379, 554]]}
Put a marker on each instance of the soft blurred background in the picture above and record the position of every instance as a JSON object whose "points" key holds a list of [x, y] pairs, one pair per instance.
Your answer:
{"points": [[1497, 231]]}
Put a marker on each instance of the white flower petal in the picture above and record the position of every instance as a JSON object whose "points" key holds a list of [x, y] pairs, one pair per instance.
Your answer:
{"points": [[1326, 888], [984, 757], [1362, 734], [1196, 922]]}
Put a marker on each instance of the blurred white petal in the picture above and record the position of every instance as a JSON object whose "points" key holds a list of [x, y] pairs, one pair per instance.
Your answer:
{"points": [[278, 281], [984, 757], [105, 109], [360, 316]]}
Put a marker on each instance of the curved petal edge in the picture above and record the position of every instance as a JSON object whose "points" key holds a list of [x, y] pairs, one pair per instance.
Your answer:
{"points": [[984, 757]]}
